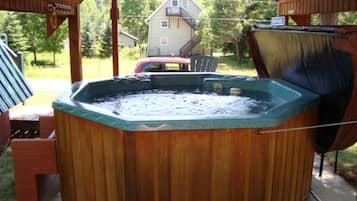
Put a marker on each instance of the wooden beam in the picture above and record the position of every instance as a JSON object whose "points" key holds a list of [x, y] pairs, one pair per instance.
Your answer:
{"points": [[302, 19], [328, 18], [306, 7], [24, 6], [4, 128], [53, 23], [37, 6], [114, 13], [73, 2], [75, 46]]}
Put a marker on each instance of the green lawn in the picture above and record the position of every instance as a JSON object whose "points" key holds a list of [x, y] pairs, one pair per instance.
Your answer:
{"points": [[94, 68], [347, 163], [7, 181]]}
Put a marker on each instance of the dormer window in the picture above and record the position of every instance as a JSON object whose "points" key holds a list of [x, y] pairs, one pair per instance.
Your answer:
{"points": [[175, 3]]}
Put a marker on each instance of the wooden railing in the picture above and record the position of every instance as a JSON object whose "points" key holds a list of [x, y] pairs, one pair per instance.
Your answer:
{"points": [[180, 12], [187, 48]]}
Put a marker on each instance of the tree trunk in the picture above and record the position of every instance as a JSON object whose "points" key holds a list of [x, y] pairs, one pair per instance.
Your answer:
{"points": [[54, 58], [35, 57], [238, 52]]}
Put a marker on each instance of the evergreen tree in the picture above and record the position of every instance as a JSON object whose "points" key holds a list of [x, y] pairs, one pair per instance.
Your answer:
{"points": [[96, 12], [15, 37], [106, 42], [88, 39]]}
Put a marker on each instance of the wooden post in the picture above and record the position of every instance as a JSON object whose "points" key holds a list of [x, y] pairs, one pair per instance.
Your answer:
{"points": [[31, 158], [4, 128], [114, 14], [328, 18], [75, 46], [302, 19]]}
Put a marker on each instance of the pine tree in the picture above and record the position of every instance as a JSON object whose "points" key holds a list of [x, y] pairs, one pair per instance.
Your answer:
{"points": [[15, 37], [88, 39], [106, 42]]}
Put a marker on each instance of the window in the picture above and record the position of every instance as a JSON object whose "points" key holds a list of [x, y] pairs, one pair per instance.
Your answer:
{"points": [[153, 67], [164, 41], [164, 23], [175, 3], [184, 3]]}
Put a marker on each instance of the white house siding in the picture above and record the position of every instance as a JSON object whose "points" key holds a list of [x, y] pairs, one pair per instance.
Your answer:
{"points": [[192, 9], [126, 41], [178, 33]]}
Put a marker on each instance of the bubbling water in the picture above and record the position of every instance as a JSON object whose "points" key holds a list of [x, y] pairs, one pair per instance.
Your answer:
{"points": [[180, 103]]}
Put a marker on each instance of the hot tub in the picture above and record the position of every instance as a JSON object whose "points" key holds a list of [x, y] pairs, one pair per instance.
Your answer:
{"points": [[106, 153]]}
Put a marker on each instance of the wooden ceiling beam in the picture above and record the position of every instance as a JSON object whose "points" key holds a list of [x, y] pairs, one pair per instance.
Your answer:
{"points": [[33, 6], [38, 6], [307, 7]]}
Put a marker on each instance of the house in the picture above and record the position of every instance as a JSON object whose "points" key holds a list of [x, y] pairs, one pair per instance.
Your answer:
{"points": [[127, 40], [13, 89], [172, 29]]}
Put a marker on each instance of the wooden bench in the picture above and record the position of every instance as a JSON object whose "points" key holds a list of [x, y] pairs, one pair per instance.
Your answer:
{"points": [[203, 64]]}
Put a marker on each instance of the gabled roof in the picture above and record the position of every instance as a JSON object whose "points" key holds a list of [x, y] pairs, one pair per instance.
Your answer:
{"points": [[161, 5], [14, 89], [128, 35]]}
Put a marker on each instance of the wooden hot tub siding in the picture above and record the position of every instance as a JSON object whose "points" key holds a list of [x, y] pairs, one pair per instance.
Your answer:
{"points": [[97, 162]]}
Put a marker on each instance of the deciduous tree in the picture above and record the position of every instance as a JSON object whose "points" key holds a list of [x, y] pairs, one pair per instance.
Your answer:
{"points": [[55, 43], [34, 29]]}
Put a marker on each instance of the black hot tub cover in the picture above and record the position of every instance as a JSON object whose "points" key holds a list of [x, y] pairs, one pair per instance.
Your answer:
{"points": [[317, 59]]}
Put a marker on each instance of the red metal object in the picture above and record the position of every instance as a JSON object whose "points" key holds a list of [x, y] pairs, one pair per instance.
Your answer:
{"points": [[160, 60], [114, 13]]}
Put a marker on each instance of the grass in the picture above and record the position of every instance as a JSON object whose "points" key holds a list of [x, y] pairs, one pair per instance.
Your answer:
{"points": [[7, 181], [229, 65], [347, 164], [94, 68]]}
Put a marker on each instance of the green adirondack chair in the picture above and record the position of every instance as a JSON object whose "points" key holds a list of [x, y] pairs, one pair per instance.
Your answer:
{"points": [[203, 64]]}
